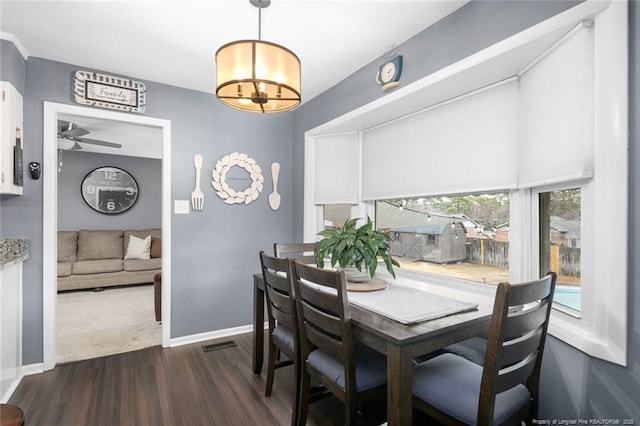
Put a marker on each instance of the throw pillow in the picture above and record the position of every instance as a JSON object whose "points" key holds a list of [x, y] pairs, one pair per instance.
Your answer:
{"points": [[138, 248], [156, 247]]}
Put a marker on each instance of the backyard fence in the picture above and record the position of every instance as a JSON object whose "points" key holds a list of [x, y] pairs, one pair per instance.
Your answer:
{"points": [[565, 260]]}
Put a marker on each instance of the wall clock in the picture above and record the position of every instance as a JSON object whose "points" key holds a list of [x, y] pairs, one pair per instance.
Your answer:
{"points": [[389, 73], [109, 190]]}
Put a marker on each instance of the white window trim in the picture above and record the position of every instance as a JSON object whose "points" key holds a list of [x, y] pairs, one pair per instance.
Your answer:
{"points": [[601, 329]]}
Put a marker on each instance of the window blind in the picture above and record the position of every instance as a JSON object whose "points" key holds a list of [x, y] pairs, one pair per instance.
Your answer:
{"points": [[556, 113], [461, 146], [337, 169]]}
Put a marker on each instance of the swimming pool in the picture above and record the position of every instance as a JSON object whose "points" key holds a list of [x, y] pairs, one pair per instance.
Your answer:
{"points": [[568, 296]]}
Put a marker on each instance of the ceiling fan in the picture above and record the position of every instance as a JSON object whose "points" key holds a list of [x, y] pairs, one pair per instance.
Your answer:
{"points": [[71, 132]]}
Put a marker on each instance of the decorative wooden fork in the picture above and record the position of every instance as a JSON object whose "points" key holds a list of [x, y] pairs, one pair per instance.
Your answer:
{"points": [[197, 196]]}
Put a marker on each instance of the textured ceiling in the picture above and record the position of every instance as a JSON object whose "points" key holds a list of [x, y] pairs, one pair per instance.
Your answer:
{"points": [[174, 42]]}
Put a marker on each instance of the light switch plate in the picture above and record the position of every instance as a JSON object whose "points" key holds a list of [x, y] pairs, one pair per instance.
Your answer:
{"points": [[181, 206]]}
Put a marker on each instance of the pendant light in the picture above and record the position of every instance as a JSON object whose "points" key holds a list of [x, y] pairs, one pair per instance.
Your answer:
{"points": [[257, 76]]}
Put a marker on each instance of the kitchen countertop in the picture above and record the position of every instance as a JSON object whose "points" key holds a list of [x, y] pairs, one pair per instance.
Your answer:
{"points": [[13, 250]]}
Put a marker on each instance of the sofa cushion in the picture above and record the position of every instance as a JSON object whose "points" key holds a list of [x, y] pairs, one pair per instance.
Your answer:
{"points": [[142, 265], [84, 267], [64, 269], [156, 247], [140, 233], [67, 246], [138, 248], [104, 244]]}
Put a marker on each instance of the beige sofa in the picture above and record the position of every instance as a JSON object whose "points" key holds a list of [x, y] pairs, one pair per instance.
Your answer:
{"points": [[102, 258]]}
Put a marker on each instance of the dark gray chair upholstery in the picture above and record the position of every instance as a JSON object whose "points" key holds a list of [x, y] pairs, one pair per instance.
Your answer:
{"points": [[504, 389], [473, 349], [351, 372]]}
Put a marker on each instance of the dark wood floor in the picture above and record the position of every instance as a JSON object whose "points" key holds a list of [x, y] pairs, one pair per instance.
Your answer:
{"points": [[175, 386]]}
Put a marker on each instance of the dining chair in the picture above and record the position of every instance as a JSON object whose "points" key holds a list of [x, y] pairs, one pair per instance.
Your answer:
{"points": [[504, 390], [282, 317], [300, 251], [351, 372]]}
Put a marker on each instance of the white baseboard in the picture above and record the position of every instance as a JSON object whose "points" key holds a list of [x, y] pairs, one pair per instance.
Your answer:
{"points": [[12, 387], [31, 369], [211, 335]]}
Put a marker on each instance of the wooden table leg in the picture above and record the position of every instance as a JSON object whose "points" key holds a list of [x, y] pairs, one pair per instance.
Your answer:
{"points": [[258, 327], [399, 399]]}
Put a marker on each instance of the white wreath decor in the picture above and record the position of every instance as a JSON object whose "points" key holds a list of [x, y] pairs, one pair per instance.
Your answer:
{"points": [[229, 195]]}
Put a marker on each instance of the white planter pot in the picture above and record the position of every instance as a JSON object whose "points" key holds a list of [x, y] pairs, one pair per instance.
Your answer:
{"points": [[352, 274]]}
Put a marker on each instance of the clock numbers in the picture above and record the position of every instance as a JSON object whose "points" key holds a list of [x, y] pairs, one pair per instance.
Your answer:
{"points": [[109, 190]]}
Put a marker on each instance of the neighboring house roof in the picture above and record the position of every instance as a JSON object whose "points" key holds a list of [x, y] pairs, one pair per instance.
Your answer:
{"points": [[431, 229], [570, 229]]}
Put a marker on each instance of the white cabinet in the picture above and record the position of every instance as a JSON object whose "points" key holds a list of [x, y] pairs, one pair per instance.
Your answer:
{"points": [[10, 329], [10, 132]]}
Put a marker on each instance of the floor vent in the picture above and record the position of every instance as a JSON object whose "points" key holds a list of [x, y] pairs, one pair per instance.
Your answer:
{"points": [[221, 345]]}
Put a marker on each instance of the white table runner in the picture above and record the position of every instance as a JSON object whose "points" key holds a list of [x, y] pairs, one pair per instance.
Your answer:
{"points": [[408, 305]]}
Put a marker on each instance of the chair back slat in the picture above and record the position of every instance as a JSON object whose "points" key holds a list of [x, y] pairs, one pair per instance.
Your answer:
{"points": [[281, 308], [326, 321], [325, 299], [525, 321], [326, 341], [278, 291], [303, 252], [515, 342], [517, 350], [515, 375], [530, 292]]}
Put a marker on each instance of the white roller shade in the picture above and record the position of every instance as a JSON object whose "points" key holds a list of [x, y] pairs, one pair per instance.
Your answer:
{"points": [[555, 113], [465, 145], [337, 169]]}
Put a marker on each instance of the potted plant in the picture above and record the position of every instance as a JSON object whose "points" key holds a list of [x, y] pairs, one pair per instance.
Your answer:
{"points": [[355, 247]]}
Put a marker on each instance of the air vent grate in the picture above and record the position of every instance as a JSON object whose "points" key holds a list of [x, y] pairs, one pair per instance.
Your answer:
{"points": [[217, 346]]}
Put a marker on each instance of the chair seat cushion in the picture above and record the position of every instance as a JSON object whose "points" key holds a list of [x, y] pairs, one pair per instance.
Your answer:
{"points": [[472, 349], [452, 385], [371, 367], [285, 335]]}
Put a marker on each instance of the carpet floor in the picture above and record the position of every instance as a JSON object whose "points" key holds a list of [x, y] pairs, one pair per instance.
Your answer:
{"points": [[93, 324]]}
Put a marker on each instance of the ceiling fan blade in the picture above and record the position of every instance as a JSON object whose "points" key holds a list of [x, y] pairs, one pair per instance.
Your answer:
{"points": [[70, 130], [97, 142]]}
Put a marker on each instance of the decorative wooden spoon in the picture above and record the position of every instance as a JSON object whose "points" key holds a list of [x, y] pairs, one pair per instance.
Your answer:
{"points": [[274, 197]]}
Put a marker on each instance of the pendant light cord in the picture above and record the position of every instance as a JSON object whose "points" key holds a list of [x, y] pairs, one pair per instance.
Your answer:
{"points": [[260, 22]]}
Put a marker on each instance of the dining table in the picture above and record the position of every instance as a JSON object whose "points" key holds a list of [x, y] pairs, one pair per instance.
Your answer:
{"points": [[400, 342]]}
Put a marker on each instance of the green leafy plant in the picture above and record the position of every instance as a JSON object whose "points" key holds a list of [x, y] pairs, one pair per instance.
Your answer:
{"points": [[355, 246]]}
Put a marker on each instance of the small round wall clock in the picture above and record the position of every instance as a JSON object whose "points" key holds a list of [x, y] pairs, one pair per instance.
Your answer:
{"points": [[109, 190], [389, 73]]}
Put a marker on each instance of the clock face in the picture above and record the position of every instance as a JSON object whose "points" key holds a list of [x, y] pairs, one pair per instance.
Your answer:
{"points": [[109, 190], [387, 72]]}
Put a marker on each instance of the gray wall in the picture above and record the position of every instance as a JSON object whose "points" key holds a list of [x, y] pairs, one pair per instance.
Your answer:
{"points": [[574, 385], [74, 214], [215, 250]]}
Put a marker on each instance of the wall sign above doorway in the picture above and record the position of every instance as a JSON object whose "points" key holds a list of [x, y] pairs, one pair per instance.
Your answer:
{"points": [[104, 91]]}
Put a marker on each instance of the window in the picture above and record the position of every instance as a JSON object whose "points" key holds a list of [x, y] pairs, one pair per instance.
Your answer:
{"points": [[560, 241], [459, 237], [568, 139], [335, 215]]}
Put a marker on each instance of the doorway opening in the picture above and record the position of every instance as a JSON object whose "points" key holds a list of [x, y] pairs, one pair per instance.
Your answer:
{"points": [[51, 162]]}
